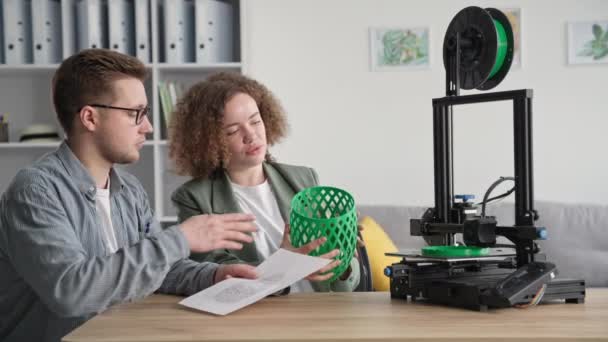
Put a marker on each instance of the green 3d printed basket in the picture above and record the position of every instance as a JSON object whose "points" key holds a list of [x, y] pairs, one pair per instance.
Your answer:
{"points": [[325, 211]]}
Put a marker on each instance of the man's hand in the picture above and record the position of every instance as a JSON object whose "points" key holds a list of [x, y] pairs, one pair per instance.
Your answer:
{"points": [[208, 232], [309, 247], [234, 271]]}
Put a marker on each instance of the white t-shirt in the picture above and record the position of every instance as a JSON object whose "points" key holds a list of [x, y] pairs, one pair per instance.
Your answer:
{"points": [[102, 204], [260, 201]]}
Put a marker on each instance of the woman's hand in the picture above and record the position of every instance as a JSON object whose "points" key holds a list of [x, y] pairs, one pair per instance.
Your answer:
{"points": [[309, 247]]}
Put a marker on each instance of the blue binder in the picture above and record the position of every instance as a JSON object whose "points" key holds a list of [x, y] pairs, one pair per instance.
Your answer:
{"points": [[46, 31], [142, 30], [178, 28], [17, 31], [91, 24], [214, 31], [121, 26]]}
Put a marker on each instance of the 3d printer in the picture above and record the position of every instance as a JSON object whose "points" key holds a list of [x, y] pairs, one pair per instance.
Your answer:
{"points": [[480, 273]]}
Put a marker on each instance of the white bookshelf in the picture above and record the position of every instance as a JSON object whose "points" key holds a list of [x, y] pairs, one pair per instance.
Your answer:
{"points": [[25, 96]]}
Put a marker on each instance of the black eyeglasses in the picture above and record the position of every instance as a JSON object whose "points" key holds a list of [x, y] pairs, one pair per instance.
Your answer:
{"points": [[140, 113]]}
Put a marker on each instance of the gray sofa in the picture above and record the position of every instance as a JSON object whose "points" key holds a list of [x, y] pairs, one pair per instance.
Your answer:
{"points": [[577, 242]]}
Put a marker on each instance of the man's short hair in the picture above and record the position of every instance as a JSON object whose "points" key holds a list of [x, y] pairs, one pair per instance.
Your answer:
{"points": [[87, 77]]}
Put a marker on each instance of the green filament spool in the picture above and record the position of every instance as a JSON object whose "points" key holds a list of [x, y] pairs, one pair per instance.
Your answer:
{"points": [[325, 211], [485, 48], [501, 48]]}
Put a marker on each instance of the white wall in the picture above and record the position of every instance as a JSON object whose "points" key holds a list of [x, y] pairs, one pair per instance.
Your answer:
{"points": [[371, 132]]}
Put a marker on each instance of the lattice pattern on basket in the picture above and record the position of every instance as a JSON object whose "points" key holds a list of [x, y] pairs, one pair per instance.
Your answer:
{"points": [[325, 211]]}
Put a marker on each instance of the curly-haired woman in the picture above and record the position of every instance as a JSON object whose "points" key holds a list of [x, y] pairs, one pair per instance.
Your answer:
{"points": [[220, 134]]}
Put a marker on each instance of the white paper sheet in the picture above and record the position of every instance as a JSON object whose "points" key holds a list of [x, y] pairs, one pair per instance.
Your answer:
{"points": [[280, 270]]}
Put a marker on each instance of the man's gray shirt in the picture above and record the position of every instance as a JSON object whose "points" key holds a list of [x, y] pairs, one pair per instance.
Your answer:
{"points": [[56, 272]]}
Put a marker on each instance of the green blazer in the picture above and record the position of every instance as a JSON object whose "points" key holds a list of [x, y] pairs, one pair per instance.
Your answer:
{"points": [[215, 196]]}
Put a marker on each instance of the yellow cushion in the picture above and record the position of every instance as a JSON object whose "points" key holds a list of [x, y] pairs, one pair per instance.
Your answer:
{"points": [[377, 242]]}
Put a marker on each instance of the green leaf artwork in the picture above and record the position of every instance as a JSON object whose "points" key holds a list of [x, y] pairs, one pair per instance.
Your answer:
{"points": [[596, 48], [402, 47]]}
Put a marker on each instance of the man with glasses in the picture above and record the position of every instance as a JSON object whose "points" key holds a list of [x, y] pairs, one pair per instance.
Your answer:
{"points": [[76, 234]]}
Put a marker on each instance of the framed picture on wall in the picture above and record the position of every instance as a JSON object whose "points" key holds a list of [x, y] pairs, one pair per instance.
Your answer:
{"points": [[514, 16], [588, 42], [399, 48]]}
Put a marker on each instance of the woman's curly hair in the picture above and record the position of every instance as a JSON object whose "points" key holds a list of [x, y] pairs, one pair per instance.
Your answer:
{"points": [[197, 144]]}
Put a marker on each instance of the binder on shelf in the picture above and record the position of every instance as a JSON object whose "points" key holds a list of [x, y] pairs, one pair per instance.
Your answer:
{"points": [[173, 94], [1, 34], [214, 31], [17, 31], [91, 23], [166, 109], [169, 93], [142, 30], [69, 34], [46, 31], [178, 28], [121, 26]]}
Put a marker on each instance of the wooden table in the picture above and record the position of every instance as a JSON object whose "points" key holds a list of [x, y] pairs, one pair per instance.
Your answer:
{"points": [[363, 316]]}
